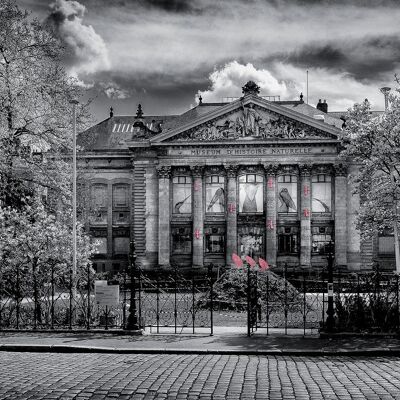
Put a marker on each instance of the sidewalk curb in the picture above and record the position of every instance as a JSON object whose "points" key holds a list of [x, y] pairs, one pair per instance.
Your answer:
{"points": [[110, 350]]}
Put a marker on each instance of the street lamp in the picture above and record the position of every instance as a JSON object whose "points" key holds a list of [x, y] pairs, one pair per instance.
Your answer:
{"points": [[73, 275], [330, 321], [132, 323]]}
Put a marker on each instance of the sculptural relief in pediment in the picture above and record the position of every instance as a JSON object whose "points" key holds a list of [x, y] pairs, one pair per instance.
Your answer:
{"points": [[250, 122]]}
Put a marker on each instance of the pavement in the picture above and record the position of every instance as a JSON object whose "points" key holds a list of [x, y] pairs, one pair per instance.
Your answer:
{"points": [[224, 341], [228, 365]]}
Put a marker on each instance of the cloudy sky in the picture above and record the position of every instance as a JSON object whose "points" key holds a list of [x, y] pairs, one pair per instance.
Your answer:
{"points": [[163, 53]]}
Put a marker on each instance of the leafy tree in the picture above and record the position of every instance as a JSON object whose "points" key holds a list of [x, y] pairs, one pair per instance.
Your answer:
{"points": [[36, 247], [373, 142], [35, 146], [35, 109]]}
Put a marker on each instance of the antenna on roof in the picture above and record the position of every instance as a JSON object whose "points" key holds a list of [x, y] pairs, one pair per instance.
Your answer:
{"points": [[307, 86]]}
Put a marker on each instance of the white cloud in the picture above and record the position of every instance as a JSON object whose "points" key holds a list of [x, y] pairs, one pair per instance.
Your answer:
{"points": [[229, 81], [87, 49], [340, 90]]}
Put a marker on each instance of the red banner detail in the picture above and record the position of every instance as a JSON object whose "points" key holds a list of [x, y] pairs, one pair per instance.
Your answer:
{"points": [[306, 212], [197, 234], [237, 260], [263, 264], [250, 261]]}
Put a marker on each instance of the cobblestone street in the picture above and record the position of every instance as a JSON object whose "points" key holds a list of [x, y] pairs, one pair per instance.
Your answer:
{"points": [[102, 376]]}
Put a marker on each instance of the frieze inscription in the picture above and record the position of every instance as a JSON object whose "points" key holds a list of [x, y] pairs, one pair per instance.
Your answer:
{"points": [[253, 151]]}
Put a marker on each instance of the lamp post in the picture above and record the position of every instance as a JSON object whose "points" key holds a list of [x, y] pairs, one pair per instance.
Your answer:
{"points": [[330, 322], [132, 323], [73, 271]]}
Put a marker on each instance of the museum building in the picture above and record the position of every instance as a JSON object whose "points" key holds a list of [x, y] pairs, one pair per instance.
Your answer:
{"points": [[253, 176]]}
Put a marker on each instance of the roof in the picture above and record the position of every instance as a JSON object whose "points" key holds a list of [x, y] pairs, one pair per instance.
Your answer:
{"points": [[311, 111], [114, 132]]}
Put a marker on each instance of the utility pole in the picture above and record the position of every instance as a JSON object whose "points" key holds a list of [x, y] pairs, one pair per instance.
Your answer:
{"points": [[73, 271]]}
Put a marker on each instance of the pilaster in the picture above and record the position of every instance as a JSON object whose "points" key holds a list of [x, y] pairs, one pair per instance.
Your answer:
{"points": [[164, 175], [340, 215], [231, 218], [305, 216], [271, 242], [198, 216]]}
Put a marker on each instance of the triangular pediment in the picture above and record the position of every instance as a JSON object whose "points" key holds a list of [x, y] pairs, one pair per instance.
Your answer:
{"points": [[249, 118]]}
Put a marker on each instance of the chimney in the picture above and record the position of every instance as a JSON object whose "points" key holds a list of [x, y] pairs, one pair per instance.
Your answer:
{"points": [[322, 106], [111, 112], [385, 91]]}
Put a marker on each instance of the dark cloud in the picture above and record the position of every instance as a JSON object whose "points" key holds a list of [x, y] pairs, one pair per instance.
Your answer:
{"points": [[354, 3], [179, 6], [366, 59]]}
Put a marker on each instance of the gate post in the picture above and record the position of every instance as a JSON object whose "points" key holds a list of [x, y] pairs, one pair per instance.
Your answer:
{"points": [[330, 322], [211, 283], [248, 301]]}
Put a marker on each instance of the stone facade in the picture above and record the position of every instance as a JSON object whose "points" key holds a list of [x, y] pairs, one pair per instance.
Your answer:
{"points": [[250, 177]]}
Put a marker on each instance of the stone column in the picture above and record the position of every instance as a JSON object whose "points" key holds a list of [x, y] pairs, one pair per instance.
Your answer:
{"points": [[231, 217], [198, 217], [271, 243], [164, 175], [151, 215], [340, 215], [305, 217]]}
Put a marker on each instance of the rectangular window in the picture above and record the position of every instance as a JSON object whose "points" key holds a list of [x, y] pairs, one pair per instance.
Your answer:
{"points": [[101, 245], [181, 240], [120, 196], [121, 245], [215, 194], [182, 195], [288, 240], [251, 241], [251, 193], [99, 196], [287, 194], [321, 236], [215, 240], [321, 193], [386, 242]]}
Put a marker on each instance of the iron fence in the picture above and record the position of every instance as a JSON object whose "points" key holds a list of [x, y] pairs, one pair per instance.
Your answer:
{"points": [[177, 303]]}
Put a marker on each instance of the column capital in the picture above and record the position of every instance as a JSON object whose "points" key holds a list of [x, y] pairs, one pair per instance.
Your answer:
{"points": [[288, 169], [305, 169], [322, 168], [271, 169], [340, 170], [164, 171], [197, 170], [214, 170], [231, 170]]}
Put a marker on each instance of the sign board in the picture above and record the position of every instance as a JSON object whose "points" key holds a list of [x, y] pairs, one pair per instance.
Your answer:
{"points": [[99, 283], [107, 295], [330, 289]]}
